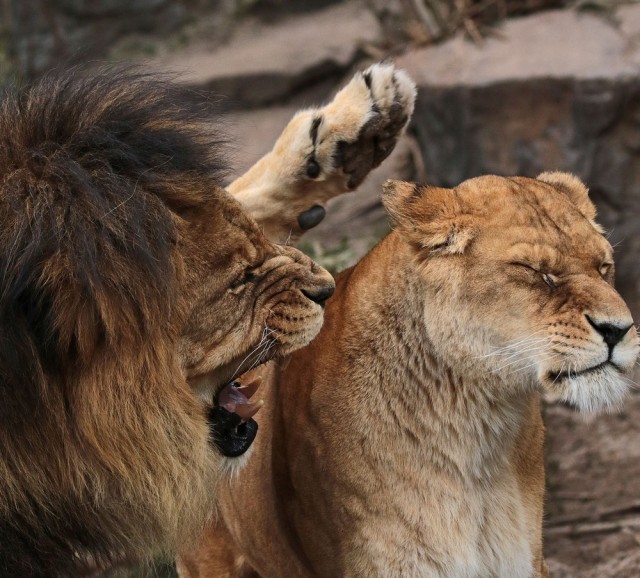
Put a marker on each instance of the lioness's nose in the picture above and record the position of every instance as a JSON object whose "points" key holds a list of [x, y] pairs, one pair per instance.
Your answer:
{"points": [[319, 294], [612, 334]]}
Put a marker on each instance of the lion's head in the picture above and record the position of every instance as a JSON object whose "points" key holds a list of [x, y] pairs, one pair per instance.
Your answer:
{"points": [[128, 279], [520, 282]]}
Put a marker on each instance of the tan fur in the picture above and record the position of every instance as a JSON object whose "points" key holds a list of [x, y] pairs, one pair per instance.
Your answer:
{"points": [[406, 439]]}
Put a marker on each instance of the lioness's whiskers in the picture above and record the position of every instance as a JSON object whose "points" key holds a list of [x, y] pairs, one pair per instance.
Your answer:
{"points": [[530, 351], [520, 342], [533, 346], [515, 349], [504, 366], [632, 383], [521, 369], [558, 374]]}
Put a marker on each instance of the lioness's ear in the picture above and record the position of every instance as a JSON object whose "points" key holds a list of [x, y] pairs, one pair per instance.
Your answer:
{"points": [[430, 217], [574, 188]]}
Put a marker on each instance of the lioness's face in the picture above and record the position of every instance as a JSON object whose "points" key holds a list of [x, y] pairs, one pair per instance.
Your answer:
{"points": [[252, 301], [522, 280]]}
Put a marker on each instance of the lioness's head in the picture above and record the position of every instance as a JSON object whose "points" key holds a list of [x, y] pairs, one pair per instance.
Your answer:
{"points": [[129, 279], [520, 283]]}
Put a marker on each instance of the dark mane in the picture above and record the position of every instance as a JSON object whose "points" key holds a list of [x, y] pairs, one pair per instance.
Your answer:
{"points": [[96, 170]]}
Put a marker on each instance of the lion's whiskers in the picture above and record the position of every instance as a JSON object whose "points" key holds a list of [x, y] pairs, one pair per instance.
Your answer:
{"points": [[253, 351], [264, 353], [260, 349]]}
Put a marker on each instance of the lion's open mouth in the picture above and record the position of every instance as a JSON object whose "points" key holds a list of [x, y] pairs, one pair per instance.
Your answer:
{"points": [[232, 427]]}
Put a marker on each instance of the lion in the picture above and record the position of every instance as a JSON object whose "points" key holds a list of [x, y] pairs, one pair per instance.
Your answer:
{"points": [[407, 439], [134, 289]]}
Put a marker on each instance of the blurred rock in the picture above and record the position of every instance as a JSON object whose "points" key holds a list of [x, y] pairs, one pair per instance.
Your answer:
{"points": [[263, 64], [556, 91], [269, 10], [592, 529], [423, 22], [107, 7], [45, 33]]}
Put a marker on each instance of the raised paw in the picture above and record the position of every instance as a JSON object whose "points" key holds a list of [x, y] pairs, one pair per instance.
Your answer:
{"points": [[327, 151], [358, 130]]}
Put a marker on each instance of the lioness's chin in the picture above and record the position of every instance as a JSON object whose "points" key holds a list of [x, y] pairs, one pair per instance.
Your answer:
{"points": [[600, 390]]}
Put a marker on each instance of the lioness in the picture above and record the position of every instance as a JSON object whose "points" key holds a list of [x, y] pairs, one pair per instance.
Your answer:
{"points": [[133, 288], [406, 439]]}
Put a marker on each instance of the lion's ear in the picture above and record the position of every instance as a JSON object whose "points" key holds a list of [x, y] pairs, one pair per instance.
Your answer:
{"points": [[430, 217], [574, 188]]}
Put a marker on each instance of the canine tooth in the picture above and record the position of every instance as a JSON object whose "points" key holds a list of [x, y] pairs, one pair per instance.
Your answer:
{"points": [[250, 388], [248, 410]]}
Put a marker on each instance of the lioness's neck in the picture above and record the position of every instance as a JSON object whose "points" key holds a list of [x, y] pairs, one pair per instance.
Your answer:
{"points": [[468, 417]]}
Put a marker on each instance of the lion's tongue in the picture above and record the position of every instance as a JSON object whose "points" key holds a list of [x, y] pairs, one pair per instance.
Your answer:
{"points": [[236, 398]]}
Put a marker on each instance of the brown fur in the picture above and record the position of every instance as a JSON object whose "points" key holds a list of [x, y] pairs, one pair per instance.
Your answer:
{"points": [[128, 279], [406, 439]]}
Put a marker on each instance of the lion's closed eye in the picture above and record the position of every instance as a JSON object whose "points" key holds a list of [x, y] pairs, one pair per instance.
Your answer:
{"points": [[247, 276]]}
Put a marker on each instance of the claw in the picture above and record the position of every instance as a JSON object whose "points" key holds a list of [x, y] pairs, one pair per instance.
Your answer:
{"points": [[235, 398]]}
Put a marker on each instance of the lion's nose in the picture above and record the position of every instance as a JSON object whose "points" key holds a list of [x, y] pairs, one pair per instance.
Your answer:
{"points": [[612, 334], [319, 294]]}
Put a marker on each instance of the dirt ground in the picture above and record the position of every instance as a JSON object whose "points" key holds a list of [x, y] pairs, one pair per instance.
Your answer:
{"points": [[593, 505]]}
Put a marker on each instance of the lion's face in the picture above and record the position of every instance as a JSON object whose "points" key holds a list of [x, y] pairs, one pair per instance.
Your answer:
{"points": [[520, 284], [251, 300]]}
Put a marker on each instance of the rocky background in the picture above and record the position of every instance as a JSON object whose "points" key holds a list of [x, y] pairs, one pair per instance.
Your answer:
{"points": [[505, 86]]}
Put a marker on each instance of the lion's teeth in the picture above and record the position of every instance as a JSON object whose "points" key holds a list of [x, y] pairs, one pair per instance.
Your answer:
{"points": [[250, 388], [248, 410]]}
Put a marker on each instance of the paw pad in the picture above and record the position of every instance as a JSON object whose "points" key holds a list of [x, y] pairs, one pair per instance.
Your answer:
{"points": [[311, 217]]}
